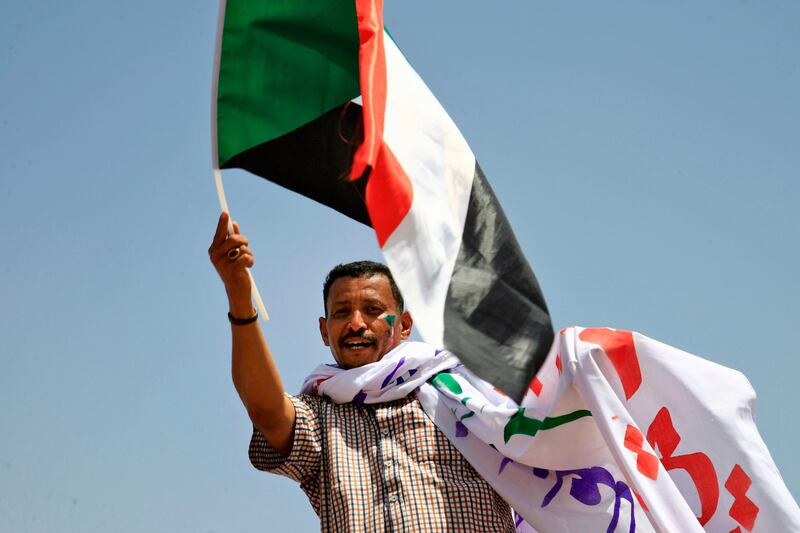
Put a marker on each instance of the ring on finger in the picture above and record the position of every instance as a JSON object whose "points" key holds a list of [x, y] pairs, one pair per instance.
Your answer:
{"points": [[233, 253]]}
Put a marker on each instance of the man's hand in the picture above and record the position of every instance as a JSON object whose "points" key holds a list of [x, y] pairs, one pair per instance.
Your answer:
{"points": [[232, 266]]}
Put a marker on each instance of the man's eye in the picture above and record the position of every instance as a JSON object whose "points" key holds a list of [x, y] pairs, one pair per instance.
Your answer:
{"points": [[340, 313]]}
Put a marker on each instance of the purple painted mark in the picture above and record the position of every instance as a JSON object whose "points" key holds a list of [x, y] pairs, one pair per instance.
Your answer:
{"points": [[392, 373], [360, 397], [540, 472], [586, 489], [517, 519], [437, 352], [412, 372], [503, 464], [461, 429]]}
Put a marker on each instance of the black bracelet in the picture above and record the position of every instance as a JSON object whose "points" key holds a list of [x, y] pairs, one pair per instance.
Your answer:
{"points": [[242, 321]]}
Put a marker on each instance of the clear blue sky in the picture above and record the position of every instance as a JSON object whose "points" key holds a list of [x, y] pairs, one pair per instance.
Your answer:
{"points": [[646, 154]]}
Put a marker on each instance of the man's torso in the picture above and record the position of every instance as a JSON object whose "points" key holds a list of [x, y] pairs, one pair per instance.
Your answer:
{"points": [[382, 467]]}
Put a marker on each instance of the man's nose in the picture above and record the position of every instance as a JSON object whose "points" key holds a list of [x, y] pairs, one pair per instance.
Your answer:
{"points": [[357, 322]]}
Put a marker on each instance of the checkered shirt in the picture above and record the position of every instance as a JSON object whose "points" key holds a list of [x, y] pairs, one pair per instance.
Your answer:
{"points": [[382, 467]]}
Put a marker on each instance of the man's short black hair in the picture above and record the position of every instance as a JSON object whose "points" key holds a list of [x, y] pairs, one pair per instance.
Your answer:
{"points": [[360, 269]]}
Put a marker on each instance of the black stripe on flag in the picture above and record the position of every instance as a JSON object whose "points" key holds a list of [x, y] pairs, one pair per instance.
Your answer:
{"points": [[495, 318], [314, 160]]}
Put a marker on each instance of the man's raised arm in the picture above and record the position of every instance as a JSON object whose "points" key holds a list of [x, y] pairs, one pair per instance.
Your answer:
{"points": [[254, 372]]}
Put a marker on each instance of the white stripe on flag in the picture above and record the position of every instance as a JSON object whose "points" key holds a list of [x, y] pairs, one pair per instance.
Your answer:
{"points": [[423, 249]]}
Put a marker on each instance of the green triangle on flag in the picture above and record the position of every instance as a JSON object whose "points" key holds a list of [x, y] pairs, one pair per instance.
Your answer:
{"points": [[290, 72]]}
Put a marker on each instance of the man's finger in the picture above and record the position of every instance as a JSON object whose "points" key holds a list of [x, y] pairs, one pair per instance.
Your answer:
{"points": [[236, 227], [245, 260], [233, 241], [235, 269], [222, 230]]}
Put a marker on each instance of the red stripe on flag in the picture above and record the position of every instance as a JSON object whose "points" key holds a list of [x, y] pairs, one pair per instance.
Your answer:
{"points": [[372, 76], [389, 194]]}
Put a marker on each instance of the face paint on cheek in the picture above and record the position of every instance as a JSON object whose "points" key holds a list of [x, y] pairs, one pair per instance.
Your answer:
{"points": [[390, 319]]}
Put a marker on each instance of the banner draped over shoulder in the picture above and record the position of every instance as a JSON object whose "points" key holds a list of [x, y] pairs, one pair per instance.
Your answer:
{"points": [[618, 433]]}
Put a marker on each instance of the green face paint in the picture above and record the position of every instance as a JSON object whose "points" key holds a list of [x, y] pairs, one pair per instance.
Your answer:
{"points": [[390, 320]]}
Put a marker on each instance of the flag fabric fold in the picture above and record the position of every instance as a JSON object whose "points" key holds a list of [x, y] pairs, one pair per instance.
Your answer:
{"points": [[342, 118], [618, 433]]}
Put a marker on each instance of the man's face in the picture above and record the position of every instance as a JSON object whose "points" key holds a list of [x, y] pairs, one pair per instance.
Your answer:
{"points": [[362, 324]]}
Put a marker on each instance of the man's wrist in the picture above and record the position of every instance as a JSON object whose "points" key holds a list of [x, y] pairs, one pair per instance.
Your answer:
{"points": [[237, 321], [242, 310], [240, 302], [241, 307]]}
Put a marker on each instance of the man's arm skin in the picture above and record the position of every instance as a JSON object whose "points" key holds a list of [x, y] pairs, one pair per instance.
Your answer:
{"points": [[255, 375]]}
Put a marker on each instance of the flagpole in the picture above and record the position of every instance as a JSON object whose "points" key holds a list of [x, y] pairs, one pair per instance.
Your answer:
{"points": [[223, 203]]}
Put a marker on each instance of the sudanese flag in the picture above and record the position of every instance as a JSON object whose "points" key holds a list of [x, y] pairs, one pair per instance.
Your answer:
{"points": [[316, 97]]}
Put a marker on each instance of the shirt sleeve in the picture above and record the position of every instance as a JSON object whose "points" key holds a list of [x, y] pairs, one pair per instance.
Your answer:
{"points": [[304, 460]]}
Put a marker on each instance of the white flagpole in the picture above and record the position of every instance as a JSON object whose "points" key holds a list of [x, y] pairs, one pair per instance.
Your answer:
{"points": [[223, 203]]}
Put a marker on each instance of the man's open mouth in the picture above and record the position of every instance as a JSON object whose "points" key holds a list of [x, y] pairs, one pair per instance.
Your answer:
{"points": [[357, 344]]}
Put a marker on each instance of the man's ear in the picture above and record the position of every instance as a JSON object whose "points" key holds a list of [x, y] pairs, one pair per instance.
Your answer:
{"points": [[405, 325], [323, 330]]}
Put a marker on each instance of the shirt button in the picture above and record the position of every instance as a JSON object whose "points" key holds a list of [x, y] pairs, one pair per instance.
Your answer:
{"points": [[385, 431], [393, 498], [387, 464]]}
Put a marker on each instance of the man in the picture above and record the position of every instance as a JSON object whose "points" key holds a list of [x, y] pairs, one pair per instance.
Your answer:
{"points": [[364, 467]]}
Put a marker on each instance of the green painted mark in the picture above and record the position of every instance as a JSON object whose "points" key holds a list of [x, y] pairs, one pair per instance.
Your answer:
{"points": [[465, 400], [390, 320], [467, 415], [550, 423], [519, 424], [445, 380]]}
